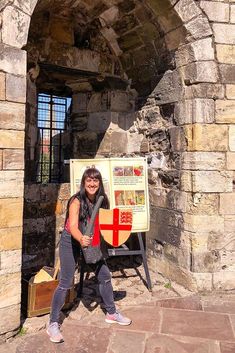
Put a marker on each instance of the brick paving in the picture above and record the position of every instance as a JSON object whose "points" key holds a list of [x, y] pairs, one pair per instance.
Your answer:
{"points": [[168, 320]]}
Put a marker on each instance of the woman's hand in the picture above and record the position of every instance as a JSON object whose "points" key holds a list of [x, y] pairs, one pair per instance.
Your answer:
{"points": [[85, 240]]}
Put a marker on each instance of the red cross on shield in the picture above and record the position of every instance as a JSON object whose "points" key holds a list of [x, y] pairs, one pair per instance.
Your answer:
{"points": [[115, 225]]}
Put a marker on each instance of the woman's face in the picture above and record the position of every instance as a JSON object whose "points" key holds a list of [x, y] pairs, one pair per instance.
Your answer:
{"points": [[91, 186]]}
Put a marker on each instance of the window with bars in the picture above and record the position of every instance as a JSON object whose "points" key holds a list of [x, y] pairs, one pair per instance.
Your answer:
{"points": [[52, 118]]}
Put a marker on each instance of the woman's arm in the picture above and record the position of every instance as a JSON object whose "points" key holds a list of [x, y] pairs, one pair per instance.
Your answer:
{"points": [[74, 210]]}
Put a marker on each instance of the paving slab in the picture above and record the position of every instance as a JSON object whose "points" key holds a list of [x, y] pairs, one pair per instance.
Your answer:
{"points": [[122, 342], [197, 324], [220, 307], [227, 347], [77, 340], [163, 343]]}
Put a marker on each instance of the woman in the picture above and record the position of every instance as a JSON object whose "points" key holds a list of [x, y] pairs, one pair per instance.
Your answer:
{"points": [[79, 211]]}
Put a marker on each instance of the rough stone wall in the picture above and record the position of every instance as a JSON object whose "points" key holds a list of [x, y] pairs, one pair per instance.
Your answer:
{"points": [[193, 229], [44, 214]]}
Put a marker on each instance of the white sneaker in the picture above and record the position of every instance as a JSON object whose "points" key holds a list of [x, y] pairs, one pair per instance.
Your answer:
{"points": [[117, 318], [53, 330]]}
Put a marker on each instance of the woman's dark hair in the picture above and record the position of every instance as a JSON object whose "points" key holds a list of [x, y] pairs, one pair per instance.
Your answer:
{"points": [[85, 209]]}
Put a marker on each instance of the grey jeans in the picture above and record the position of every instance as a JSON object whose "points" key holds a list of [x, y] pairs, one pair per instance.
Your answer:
{"points": [[69, 252]]}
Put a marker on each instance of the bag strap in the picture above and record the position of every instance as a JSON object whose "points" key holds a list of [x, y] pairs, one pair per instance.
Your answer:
{"points": [[90, 226]]}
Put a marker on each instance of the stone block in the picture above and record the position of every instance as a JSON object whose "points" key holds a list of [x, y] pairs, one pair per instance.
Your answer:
{"points": [[230, 91], [110, 16], [11, 189], [225, 53], [230, 160], [227, 260], [173, 200], [203, 223], [2, 86], [197, 51], [216, 11], [184, 112], [94, 103], [10, 262], [11, 139], [229, 224], [62, 30], [169, 88], [232, 137], [81, 59], [199, 241], [224, 33], [221, 241], [26, 5], [134, 142], [207, 261], [200, 72], [15, 26], [186, 10], [64, 191], [119, 141], [203, 160], [78, 122], [48, 193], [13, 159], [10, 175], [202, 203], [195, 111], [227, 204], [203, 281], [9, 207], [176, 273], [100, 121], [80, 102], [227, 73], [224, 280], [207, 181], [204, 90], [178, 255], [12, 116], [198, 28], [10, 318], [120, 102], [38, 226], [15, 88], [208, 137], [232, 13], [85, 142], [10, 289], [203, 111], [178, 138], [10, 238]]}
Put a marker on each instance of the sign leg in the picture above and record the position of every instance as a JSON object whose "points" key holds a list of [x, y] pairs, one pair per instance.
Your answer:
{"points": [[146, 269]]}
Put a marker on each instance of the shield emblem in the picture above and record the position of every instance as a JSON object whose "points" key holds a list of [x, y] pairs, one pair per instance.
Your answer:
{"points": [[115, 225]]}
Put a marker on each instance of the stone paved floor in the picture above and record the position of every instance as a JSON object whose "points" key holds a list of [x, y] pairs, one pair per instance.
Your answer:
{"points": [[168, 320]]}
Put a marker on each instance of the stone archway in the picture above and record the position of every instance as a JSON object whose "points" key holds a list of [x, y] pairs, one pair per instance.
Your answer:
{"points": [[191, 240]]}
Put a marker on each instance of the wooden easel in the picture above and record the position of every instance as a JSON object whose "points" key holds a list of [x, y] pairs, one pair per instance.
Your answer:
{"points": [[123, 250]]}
